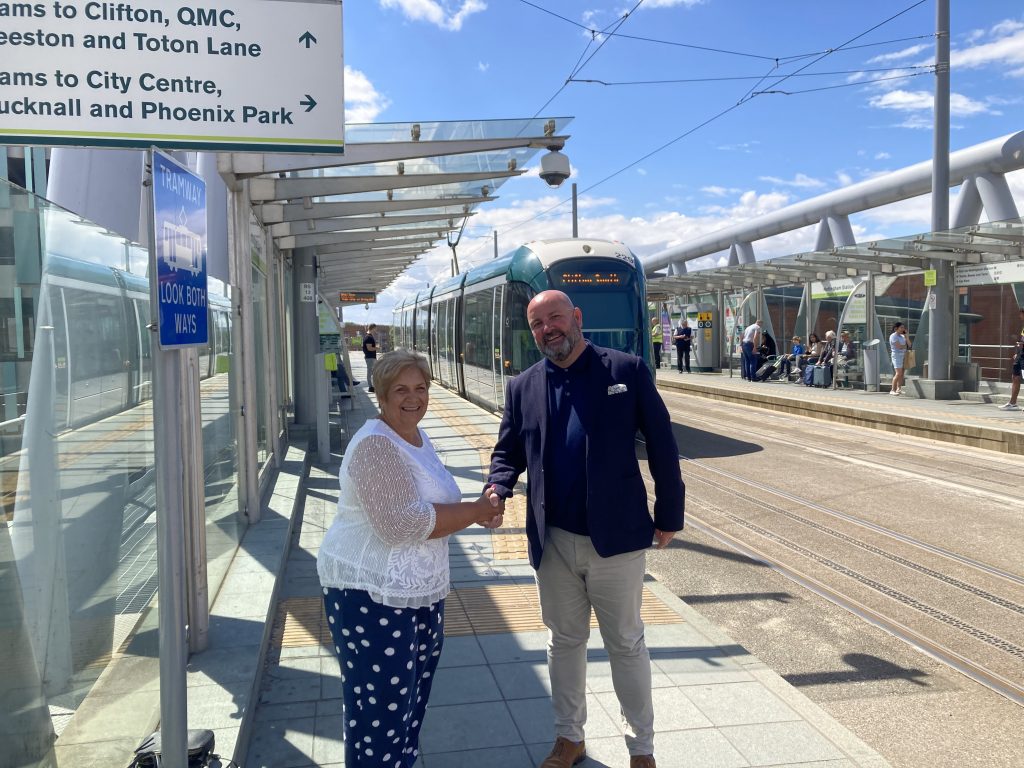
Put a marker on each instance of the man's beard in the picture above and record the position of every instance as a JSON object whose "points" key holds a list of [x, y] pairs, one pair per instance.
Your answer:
{"points": [[558, 351]]}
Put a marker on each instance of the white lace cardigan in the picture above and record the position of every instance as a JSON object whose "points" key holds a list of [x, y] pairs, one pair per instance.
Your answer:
{"points": [[378, 540]]}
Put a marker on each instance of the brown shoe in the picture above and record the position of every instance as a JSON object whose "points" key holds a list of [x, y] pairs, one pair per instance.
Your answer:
{"points": [[565, 754], [642, 761]]}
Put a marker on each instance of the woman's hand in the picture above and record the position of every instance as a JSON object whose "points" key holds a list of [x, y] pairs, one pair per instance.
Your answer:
{"points": [[492, 508]]}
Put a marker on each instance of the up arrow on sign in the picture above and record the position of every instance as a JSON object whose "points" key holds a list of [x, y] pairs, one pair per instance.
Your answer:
{"points": [[308, 39]]}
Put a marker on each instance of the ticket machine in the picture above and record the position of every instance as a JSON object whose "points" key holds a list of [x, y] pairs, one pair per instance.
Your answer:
{"points": [[704, 320]]}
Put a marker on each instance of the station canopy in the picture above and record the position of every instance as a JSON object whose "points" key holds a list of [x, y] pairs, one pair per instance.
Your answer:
{"points": [[399, 190], [989, 243]]}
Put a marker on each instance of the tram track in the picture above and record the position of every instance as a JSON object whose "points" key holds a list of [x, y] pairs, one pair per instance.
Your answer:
{"points": [[969, 667], [886, 584], [1002, 471]]}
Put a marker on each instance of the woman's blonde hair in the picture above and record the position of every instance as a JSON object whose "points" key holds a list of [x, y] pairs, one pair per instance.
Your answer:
{"points": [[391, 366]]}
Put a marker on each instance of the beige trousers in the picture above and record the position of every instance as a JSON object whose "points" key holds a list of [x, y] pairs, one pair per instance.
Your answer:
{"points": [[571, 579]]}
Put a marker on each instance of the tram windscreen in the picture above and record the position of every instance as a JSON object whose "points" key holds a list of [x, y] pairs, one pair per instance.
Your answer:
{"points": [[606, 294]]}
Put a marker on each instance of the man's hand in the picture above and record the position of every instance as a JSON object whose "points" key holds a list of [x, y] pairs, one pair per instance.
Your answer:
{"points": [[662, 538]]}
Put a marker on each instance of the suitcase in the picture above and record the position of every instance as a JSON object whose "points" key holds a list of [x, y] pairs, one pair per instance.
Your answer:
{"points": [[765, 371], [809, 375], [823, 376]]}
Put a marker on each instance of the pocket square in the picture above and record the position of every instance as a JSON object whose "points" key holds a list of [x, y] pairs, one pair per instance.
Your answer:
{"points": [[616, 389]]}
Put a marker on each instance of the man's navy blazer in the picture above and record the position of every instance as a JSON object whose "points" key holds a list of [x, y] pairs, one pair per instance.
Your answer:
{"points": [[621, 400]]}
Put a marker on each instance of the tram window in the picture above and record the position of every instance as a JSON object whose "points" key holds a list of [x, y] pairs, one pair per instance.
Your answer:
{"points": [[98, 334], [478, 318], [520, 350], [11, 325]]}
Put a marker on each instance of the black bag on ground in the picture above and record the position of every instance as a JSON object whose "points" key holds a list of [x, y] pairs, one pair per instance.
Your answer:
{"points": [[765, 371], [200, 750], [823, 376]]}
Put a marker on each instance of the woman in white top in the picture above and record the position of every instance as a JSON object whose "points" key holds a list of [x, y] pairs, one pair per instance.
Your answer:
{"points": [[898, 350], [383, 565]]}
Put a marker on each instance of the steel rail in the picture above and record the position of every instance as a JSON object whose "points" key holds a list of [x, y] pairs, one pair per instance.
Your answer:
{"points": [[888, 532], [974, 670]]}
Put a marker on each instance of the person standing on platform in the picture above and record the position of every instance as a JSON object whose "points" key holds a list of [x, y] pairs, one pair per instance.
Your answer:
{"points": [[657, 339], [383, 567], [751, 342], [1018, 367], [683, 337], [570, 421], [370, 353], [898, 350]]}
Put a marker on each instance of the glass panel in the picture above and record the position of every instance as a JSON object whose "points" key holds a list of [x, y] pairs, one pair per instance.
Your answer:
{"points": [[259, 313], [224, 526], [479, 310], [77, 521], [606, 292], [520, 350]]}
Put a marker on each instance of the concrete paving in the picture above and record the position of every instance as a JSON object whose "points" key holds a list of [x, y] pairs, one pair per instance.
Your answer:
{"points": [[716, 705]]}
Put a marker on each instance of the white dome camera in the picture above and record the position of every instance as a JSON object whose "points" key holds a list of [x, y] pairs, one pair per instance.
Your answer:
{"points": [[554, 168]]}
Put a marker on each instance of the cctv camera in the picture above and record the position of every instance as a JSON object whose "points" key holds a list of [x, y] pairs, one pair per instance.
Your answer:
{"points": [[554, 168]]}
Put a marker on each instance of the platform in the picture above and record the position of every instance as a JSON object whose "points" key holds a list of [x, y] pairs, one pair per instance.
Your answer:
{"points": [[978, 424], [274, 697]]}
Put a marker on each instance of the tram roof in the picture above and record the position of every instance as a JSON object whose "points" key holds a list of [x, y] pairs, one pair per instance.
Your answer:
{"points": [[398, 190], [988, 243]]}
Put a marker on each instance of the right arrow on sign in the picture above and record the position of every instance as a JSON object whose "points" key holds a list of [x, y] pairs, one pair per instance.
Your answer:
{"points": [[309, 103]]}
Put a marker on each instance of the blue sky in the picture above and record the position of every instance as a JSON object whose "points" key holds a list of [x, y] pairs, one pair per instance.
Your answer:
{"points": [[419, 60]]}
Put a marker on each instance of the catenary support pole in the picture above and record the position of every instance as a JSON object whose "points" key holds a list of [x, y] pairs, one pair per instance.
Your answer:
{"points": [[575, 210], [941, 311]]}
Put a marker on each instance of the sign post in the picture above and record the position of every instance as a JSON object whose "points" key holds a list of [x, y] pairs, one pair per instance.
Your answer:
{"points": [[259, 75], [177, 269]]}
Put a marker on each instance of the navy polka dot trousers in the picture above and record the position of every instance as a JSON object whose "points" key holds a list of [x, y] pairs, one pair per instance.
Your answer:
{"points": [[388, 657]]}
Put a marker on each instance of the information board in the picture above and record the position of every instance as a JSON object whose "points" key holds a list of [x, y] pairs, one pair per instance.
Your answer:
{"points": [[1000, 273], [252, 75], [179, 208]]}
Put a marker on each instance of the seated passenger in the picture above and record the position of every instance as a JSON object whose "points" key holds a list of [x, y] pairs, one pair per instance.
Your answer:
{"points": [[847, 350], [788, 361], [824, 358], [814, 347]]}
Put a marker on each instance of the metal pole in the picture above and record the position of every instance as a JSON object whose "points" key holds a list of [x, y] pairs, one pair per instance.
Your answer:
{"points": [[575, 219], [170, 529], [495, 243], [940, 329]]}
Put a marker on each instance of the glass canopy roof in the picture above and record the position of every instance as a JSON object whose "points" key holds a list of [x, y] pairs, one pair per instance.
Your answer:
{"points": [[976, 244]]}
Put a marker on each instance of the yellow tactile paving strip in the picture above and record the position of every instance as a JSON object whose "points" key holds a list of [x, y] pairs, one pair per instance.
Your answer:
{"points": [[509, 541], [487, 610]]}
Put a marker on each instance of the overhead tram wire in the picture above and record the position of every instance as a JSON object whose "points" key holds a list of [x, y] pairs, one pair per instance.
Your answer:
{"points": [[578, 66], [928, 67], [830, 51], [928, 70], [712, 119], [712, 49]]}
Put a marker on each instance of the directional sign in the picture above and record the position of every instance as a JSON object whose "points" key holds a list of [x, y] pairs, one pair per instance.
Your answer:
{"points": [[252, 75], [179, 207]]}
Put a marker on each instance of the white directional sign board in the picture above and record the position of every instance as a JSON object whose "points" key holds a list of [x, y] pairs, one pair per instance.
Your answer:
{"points": [[244, 75]]}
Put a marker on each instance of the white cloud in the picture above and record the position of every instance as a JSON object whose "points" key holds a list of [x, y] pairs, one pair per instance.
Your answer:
{"points": [[482, 67], [882, 156], [801, 180], [843, 179], [906, 53], [743, 146], [437, 12], [671, 3], [641, 171], [717, 191], [1005, 50], [363, 103], [914, 101]]}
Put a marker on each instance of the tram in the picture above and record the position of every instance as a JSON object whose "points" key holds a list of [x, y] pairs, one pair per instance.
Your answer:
{"points": [[101, 346], [473, 327]]}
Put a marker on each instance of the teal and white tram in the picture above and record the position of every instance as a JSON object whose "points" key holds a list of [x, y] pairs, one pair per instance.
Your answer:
{"points": [[473, 326]]}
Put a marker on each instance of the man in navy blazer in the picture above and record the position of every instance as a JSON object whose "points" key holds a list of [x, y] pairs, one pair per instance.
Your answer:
{"points": [[571, 421]]}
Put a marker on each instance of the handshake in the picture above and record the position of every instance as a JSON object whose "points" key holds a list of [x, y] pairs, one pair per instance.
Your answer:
{"points": [[491, 508]]}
